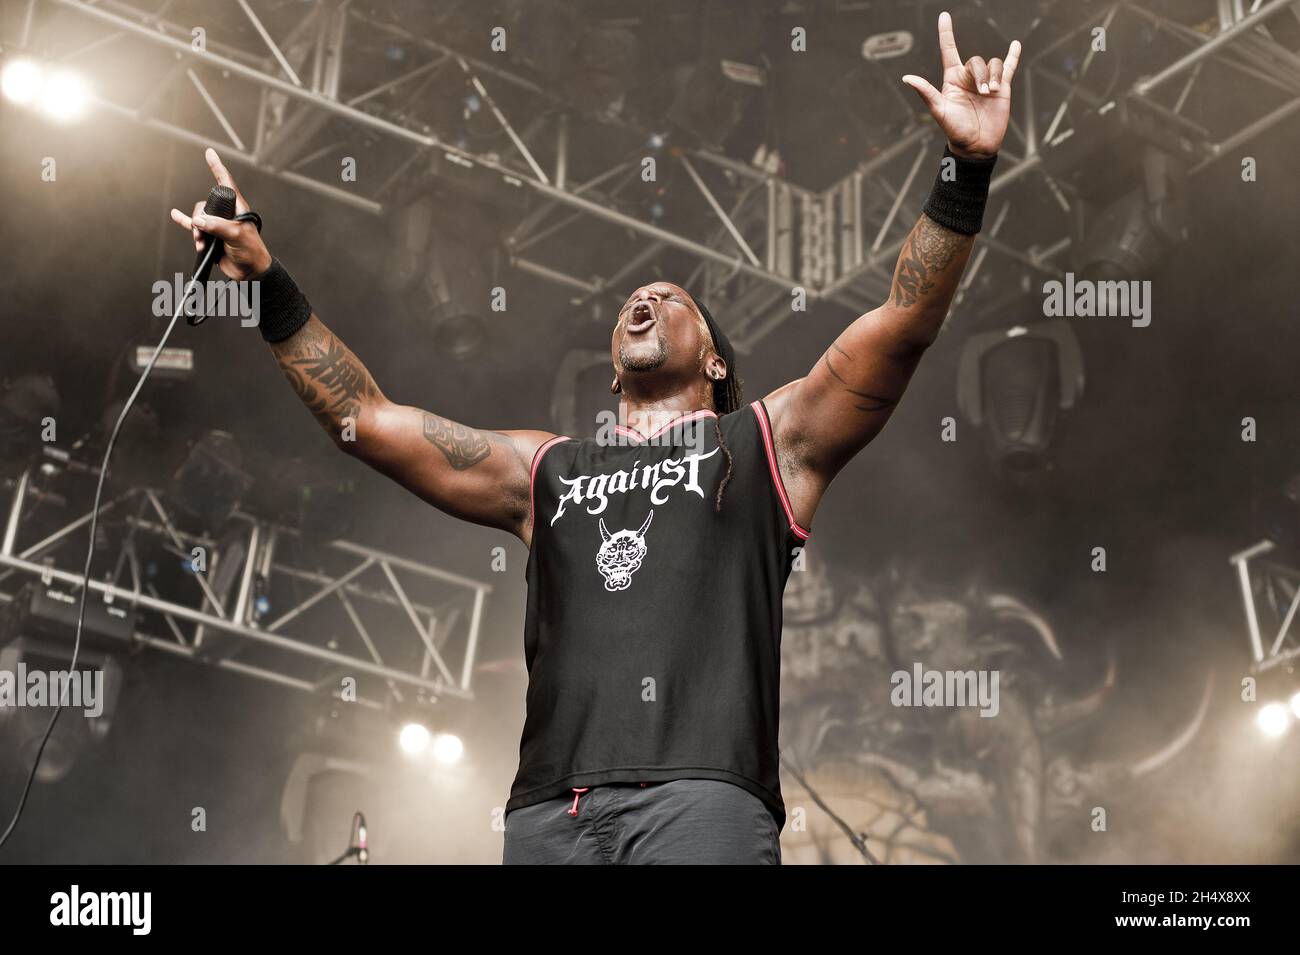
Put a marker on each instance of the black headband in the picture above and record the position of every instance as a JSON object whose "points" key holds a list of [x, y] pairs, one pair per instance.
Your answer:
{"points": [[722, 389]]}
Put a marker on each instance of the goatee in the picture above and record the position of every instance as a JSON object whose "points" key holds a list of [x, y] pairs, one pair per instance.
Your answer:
{"points": [[642, 362]]}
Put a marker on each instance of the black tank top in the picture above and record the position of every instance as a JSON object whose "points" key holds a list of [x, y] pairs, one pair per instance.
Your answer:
{"points": [[653, 630]]}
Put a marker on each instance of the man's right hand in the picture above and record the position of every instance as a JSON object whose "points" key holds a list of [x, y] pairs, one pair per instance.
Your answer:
{"points": [[245, 254], [477, 475]]}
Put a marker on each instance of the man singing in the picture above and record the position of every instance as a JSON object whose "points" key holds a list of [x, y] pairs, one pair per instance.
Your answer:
{"points": [[657, 560]]}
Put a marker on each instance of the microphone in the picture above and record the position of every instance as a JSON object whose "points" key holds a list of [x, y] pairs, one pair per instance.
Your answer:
{"points": [[220, 203]]}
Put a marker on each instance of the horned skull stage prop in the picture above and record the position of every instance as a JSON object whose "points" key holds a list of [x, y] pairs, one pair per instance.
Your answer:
{"points": [[944, 785]]}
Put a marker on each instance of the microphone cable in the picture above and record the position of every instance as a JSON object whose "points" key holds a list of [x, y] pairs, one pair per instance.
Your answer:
{"points": [[220, 202]]}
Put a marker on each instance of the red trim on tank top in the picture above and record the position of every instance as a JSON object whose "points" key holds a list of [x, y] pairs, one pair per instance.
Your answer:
{"points": [[532, 474], [680, 419], [765, 427]]}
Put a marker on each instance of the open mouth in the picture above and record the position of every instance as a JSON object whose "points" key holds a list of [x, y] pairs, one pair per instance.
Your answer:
{"points": [[641, 319]]}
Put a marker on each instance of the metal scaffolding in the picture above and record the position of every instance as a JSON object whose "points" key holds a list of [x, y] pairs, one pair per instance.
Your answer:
{"points": [[768, 235], [403, 647], [1270, 594]]}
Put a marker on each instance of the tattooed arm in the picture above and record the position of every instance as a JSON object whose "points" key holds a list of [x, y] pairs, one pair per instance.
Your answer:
{"points": [[822, 420], [479, 476]]}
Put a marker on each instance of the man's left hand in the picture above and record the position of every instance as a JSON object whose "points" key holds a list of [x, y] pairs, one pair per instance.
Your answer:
{"points": [[974, 106]]}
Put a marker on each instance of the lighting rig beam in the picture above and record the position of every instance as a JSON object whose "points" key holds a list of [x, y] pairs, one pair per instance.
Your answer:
{"points": [[842, 272], [243, 623]]}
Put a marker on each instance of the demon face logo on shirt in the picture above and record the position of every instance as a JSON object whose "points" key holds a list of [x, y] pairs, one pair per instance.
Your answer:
{"points": [[621, 553]]}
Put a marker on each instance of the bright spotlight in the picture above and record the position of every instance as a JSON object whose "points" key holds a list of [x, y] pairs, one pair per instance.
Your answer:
{"points": [[448, 748], [414, 738], [64, 97], [1273, 720], [1295, 704], [21, 80]]}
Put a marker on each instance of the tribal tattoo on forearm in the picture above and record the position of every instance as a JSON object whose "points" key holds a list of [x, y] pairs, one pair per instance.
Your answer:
{"points": [[334, 385], [927, 253], [326, 376]]}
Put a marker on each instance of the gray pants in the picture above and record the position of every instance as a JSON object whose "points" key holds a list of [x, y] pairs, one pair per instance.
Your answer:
{"points": [[682, 822]]}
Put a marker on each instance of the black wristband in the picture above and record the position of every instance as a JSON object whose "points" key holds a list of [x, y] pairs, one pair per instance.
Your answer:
{"points": [[282, 309], [958, 203]]}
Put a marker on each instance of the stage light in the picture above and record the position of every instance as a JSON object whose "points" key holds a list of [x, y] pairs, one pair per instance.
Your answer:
{"points": [[448, 748], [1011, 384], [445, 255], [1131, 236], [41, 647], [61, 95], [64, 97], [22, 80], [28, 398], [414, 738], [458, 334], [307, 493], [211, 482], [1122, 245], [1273, 720], [886, 46], [1295, 704]]}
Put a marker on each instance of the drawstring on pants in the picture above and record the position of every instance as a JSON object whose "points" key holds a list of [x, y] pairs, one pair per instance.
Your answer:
{"points": [[577, 794]]}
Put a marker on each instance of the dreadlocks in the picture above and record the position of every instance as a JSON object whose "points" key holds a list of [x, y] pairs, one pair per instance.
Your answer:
{"points": [[727, 393]]}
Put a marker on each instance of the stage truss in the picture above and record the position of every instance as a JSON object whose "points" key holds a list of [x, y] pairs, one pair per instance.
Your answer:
{"points": [[768, 235], [268, 605], [1270, 595]]}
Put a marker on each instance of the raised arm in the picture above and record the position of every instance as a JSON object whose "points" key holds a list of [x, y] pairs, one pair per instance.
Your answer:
{"points": [[822, 420], [477, 475]]}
